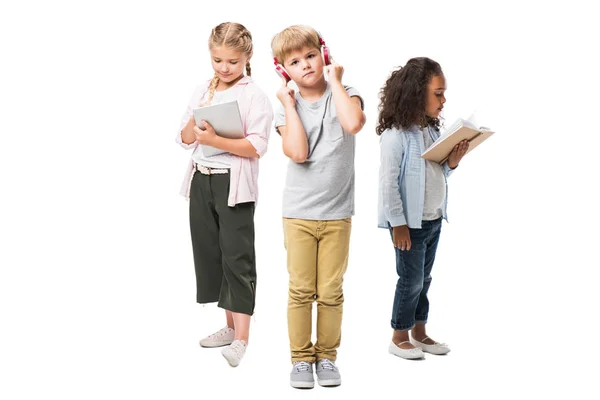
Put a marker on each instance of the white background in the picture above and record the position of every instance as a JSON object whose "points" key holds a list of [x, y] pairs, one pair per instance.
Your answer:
{"points": [[97, 292]]}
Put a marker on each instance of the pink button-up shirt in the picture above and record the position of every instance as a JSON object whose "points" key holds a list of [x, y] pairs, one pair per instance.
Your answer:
{"points": [[257, 118]]}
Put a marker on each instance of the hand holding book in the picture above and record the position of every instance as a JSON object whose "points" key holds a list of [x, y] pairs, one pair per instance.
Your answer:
{"points": [[457, 153], [462, 130]]}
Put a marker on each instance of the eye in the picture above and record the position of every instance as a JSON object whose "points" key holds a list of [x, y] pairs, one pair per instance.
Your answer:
{"points": [[311, 55], [294, 63], [216, 60], [234, 62]]}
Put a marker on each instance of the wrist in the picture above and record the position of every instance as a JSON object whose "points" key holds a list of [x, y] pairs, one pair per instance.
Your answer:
{"points": [[335, 83], [213, 141]]}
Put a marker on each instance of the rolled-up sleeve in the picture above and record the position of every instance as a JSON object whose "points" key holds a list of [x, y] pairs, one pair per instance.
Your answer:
{"points": [[259, 121], [193, 103], [447, 170], [391, 153]]}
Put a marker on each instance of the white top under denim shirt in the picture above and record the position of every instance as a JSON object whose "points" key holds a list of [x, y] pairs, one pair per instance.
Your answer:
{"points": [[402, 174], [435, 184]]}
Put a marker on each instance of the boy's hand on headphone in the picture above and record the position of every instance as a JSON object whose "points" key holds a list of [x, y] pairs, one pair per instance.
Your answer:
{"points": [[401, 237], [286, 95], [334, 71], [206, 135], [457, 153]]}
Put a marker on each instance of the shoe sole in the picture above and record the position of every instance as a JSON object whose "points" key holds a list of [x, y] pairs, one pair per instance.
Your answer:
{"points": [[435, 353], [215, 344], [408, 356], [302, 385], [330, 382]]}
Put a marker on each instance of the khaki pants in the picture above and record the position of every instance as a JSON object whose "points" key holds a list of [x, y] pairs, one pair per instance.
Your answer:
{"points": [[317, 257]]}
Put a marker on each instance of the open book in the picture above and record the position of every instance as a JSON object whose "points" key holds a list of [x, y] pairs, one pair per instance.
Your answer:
{"points": [[225, 119], [461, 130]]}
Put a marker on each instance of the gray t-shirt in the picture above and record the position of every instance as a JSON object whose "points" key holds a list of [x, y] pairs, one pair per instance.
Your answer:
{"points": [[321, 188], [435, 185]]}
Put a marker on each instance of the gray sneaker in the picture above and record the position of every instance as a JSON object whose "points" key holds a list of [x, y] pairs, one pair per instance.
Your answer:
{"points": [[301, 376], [327, 373]]}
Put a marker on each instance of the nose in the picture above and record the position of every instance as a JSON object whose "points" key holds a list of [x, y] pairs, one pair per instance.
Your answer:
{"points": [[305, 64]]}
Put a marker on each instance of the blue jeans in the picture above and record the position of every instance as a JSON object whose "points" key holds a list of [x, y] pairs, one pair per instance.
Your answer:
{"points": [[414, 276]]}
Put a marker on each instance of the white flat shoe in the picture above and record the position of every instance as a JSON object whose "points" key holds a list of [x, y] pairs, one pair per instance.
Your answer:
{"points": [[436, 348], [409, 354]]}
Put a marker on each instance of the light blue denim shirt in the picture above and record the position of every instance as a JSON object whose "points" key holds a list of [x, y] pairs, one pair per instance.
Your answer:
{"points": [[402, 177]]}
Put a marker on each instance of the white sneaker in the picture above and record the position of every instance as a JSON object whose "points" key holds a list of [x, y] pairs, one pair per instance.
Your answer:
{"points": [[234, 352], [409, 354], [436, 348], [221, 338]]}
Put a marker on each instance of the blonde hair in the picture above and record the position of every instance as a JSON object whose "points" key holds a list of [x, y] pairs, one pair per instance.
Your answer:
{"points": [[234, 36], [294, 38]]}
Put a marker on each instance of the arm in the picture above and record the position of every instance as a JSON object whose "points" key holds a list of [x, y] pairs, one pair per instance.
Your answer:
{"points": [[349, 109], [293, 135], [185, 136], [391, 153], [239, 147], [295, 142], [258, 119], [455, 156]]}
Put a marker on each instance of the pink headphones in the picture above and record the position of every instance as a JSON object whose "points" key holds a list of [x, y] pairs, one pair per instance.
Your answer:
{"points": [[326, 57]]}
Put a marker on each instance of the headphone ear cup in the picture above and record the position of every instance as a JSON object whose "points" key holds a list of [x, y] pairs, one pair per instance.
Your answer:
{"points": [[326, 55], [282, 72]]}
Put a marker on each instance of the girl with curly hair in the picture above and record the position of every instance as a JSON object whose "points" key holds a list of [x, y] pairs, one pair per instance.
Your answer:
{"points": [[412, 195]]}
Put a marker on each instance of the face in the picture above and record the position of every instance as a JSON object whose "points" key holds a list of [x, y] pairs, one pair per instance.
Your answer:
{"points": [[228, 64], [305, 66], [436, 90]]}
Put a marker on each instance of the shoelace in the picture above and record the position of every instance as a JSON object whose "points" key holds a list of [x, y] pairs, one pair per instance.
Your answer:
{"points": [[326, 364], [237, 347], [302, 366], [217, 335]]}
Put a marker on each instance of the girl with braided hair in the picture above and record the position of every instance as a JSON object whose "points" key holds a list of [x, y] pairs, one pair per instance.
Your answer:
{"points": [[222, 188]]}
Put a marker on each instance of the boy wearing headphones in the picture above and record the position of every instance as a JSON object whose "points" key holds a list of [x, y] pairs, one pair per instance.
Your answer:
{"points": [[318, 126]]}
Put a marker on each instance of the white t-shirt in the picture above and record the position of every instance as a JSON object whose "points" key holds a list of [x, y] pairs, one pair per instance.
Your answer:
{"points": [[218, 160], [435, 185]]}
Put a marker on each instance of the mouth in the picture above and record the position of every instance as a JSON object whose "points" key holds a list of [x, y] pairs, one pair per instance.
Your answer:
{"points": [[225, 75], [308, 73]]}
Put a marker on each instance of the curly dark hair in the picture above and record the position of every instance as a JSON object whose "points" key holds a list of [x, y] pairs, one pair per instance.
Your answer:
{"points": [[404, 95]]}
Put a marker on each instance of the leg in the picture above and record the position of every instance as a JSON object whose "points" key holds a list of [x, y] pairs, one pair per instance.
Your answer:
{"points": [[410, 266], [236, 239], [204, 228], [332, 261], [301, 246], [229, 317], [242, 326], [422, 310]]}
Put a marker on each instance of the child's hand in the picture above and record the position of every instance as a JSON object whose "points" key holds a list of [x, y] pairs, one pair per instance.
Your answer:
{"points": [[286, 95], [401, 237], [206, 135], [457, 153], [334, 72]]}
